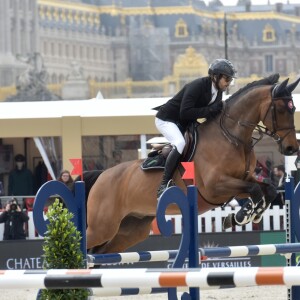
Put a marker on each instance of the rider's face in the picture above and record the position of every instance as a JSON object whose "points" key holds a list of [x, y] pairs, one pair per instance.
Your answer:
{"points": [[224, 82]]}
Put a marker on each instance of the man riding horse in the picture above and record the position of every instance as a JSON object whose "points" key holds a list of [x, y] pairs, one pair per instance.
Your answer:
{"points": [[122, 202], [201, 98]]}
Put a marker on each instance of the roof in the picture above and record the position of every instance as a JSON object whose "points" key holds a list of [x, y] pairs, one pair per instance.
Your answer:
{"points": [[83, 108], [92, 117], [88, 108]]}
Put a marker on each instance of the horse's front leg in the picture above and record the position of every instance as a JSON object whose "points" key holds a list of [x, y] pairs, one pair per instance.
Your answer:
{"points": [[260, 194], [270, 193]]}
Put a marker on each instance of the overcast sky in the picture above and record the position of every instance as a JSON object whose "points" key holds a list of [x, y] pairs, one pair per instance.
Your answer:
{"points": [[234, 2]]}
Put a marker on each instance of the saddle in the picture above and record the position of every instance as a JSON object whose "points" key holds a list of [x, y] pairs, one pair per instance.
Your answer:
{"points": [[157, 156]]}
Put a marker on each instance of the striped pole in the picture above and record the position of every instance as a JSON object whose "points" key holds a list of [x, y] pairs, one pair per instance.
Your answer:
{"points": [[155, 278], [117, 292], [165, 255]]}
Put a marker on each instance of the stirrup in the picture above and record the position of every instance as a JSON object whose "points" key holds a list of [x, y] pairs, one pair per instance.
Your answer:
{"points": [[170, 183]]}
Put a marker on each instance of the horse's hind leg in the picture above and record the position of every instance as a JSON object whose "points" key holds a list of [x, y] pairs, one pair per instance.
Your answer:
{"points": [[132, 231], [261, 197], [103, 225]]}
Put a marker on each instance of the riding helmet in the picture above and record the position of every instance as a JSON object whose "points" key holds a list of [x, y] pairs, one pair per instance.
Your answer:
{"points": [[222, 66]]}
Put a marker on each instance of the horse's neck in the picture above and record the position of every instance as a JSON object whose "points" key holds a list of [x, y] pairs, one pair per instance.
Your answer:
{"points": [[243, 114]]}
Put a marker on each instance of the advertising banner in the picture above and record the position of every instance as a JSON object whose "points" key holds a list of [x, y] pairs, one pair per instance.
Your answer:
{"points": [[27, 254]]}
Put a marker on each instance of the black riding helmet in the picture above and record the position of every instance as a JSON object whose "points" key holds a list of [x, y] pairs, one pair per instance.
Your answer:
{"points": [[221, 67]]}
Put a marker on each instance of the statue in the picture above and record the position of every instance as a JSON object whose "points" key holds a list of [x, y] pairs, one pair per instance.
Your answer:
{"points": [[76, 86], [76, 72], [35, 76], [31, 83]]}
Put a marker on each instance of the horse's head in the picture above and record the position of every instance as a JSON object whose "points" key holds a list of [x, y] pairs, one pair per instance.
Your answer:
{"points": [[279, 118]]}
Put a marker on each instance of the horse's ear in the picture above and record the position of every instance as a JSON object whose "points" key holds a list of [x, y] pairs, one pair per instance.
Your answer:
{"points": [[293, 85], [280, 88]]}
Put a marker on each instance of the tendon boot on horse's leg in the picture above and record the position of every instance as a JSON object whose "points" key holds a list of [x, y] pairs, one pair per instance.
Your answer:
{"points": [[245, 214], [170, 167], [242, 217], [264, 204]]}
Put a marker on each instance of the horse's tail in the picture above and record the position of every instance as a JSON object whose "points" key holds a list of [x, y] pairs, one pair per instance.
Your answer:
{"points": [[89, 178]]}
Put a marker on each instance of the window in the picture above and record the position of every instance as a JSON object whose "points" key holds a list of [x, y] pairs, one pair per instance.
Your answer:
{"points": [[74, 51], [269, 34], [181, 29], [269, 63]]}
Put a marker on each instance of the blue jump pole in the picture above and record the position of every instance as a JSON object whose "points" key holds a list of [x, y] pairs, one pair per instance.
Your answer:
{"points": [[292, 197]]}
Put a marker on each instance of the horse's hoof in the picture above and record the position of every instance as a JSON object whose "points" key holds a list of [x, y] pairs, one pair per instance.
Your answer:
{"points": [[257, 219], [229, 222]]}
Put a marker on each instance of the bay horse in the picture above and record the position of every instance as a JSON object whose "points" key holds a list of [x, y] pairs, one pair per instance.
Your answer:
{"points": [[122, 202]]}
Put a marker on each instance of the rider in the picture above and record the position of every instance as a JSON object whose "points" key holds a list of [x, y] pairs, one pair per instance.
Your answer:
{"points": [[201, 98]]}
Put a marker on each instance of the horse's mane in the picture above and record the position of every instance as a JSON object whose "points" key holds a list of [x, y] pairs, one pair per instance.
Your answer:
{"points": [[270, 80]]}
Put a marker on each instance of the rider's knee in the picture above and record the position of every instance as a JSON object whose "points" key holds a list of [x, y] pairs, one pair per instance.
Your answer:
{"points": [[180, 144]]}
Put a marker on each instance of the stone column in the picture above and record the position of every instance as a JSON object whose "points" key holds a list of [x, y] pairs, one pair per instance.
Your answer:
{"points": [[5, 38]]}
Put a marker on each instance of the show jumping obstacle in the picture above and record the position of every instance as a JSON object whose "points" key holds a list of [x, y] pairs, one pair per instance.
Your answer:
{"points": [[166, 255], [217, 277], [157, 280], [142, 278]]}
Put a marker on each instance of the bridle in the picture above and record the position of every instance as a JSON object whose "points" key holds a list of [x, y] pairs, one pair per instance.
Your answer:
{"points": [[275, 128], [262, 130]]}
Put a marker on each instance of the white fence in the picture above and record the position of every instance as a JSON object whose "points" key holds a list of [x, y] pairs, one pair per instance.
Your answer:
{"points": [[211, 221]]}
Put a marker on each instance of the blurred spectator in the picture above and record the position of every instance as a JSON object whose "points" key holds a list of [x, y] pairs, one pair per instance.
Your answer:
{"points": [[258, 174], [14, 220], [280, 174], [66, 178], [20, 182]]}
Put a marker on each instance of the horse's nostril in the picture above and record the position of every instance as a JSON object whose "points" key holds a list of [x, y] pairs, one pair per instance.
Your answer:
{"points": [[290, 150]]}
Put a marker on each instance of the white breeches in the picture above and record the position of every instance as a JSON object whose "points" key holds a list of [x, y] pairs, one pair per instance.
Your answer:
{"points": [[172, 133]]}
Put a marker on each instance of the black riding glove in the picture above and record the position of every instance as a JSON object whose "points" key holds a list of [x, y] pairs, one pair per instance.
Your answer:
{"points": [[216, 106], [215, 109]]}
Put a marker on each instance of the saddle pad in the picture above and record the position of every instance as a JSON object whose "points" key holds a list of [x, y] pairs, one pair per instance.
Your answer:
{"points": [[154, 162]]}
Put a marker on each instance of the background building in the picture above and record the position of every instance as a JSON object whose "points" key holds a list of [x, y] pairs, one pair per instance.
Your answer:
{"points": [[135, 48]]}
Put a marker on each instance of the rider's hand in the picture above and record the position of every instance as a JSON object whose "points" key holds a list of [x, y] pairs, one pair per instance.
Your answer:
{"points": [[215, 109], [216, 106]]}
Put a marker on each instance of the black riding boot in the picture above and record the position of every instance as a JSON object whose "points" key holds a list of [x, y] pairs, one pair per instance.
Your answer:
{"points": [[170, 167]]}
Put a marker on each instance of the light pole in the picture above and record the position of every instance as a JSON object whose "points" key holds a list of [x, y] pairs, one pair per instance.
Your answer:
{"points": [[225, 37]]}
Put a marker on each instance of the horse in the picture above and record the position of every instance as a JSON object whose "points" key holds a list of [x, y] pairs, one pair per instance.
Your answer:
{"points": [[122, 202]]}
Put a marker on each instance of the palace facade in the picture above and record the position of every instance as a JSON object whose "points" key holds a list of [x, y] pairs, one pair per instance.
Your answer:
{"points": [[146, 48]]}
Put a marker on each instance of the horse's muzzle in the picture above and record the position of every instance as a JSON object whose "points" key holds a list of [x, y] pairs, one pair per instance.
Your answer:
{"points": [[289, 150]]}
